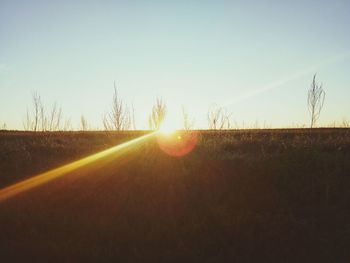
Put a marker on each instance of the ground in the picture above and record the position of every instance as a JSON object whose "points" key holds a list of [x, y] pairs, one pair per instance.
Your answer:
{"points": [[238, 196]]}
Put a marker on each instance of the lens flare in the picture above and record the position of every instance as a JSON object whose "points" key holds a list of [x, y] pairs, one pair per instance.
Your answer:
{"points": [[178, 143], [167, 127], [282, 81], [43, 178], [166, 130]]}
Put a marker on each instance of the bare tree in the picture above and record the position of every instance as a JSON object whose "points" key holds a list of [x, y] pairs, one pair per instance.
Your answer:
{"points": [[218, 118], [187, 122], [133, 117], [37, 105], [119, 117], [37, 118], [83, 123], [32, 119], [55, 118], [27, 121], [157, 116], [43, 118], [315, 101], [345, 123], [67, 126]]}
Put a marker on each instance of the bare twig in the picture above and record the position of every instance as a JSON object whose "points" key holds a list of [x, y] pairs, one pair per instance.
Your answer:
{"points": [[315, 101]]}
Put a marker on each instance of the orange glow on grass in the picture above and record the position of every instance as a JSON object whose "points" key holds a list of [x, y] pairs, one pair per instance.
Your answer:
{"points": [[178, 143]]}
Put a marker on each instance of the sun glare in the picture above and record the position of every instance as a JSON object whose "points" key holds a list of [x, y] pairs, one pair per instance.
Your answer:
{"points": [[167, 128], [12, 190]]}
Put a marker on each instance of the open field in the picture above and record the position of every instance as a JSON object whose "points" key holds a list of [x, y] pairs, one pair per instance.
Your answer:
{"points": [[239, 196]]}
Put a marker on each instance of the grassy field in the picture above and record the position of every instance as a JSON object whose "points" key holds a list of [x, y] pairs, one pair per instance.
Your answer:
{"points": [[239, 196]]}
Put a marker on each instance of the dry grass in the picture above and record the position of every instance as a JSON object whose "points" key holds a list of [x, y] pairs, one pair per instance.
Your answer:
{"points": [[240, 196]]}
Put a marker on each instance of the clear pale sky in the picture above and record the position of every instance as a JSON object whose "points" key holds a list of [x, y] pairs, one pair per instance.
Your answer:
{"points": [[257, 58]]}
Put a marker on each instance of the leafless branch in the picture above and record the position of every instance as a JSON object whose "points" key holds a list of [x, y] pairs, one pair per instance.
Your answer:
{"points": [[157, 116], [219, 118], [119, 117], [187, 122], [315, 101]]}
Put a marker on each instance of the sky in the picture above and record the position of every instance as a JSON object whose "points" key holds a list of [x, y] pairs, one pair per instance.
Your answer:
{"points": [[255, 58]]}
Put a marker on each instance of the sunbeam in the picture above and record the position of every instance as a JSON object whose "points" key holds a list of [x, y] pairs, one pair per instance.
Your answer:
{"points": [[280, 82], [43, 178]]}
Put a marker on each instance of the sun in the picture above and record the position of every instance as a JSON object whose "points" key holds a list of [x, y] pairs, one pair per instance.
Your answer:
{"points": [[167, 128]]}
